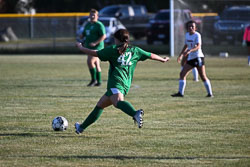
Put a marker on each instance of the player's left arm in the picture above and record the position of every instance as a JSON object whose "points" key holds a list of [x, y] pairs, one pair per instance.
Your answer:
{"points": [[159, 58], [102, 38], [196, 47], [86, 50]]}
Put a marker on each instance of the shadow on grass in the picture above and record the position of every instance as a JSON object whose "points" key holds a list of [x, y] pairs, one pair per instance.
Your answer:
{"points": [[22, 134], [121, 157], [53, 134]]}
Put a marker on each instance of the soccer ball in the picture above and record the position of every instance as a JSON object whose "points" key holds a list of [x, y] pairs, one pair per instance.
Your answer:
{"points": [[59, 123]]}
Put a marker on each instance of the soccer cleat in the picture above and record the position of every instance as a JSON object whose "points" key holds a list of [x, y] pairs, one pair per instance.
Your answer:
{"points": [[209, 95], [98, 84], [177, 95], [78, 128], [138, 118], [92, 83]]}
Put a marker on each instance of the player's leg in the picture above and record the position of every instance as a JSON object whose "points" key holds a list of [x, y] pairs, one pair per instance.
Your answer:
{"points": [[94, 115], [194, 70], [183, 62], [126, 107], [183, 75], [118, 101], [98, 71], [206, 81], [92, 70], [195, 74], [182, 81]]}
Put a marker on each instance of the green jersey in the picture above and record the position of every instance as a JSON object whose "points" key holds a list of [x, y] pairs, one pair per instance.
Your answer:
{"points": [[92, 32], [122, 67]]}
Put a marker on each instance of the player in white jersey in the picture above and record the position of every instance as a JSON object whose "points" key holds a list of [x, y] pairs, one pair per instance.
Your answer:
{"points": [[195, 58]]}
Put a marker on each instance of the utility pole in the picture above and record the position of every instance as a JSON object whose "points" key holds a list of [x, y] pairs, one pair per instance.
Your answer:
{"points": [[171, 27]]}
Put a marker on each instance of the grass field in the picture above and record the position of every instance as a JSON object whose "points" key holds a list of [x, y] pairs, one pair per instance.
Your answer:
{"points": [[191, 131]]}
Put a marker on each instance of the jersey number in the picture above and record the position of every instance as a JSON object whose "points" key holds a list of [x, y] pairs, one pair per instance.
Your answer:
{"points": [[121, 59]]}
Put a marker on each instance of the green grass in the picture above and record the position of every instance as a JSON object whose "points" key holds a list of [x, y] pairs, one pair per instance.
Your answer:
{"points": [[191, 131]]}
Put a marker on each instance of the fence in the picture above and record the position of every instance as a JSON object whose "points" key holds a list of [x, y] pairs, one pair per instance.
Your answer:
{"points": [[221, 32], [39, 30]]}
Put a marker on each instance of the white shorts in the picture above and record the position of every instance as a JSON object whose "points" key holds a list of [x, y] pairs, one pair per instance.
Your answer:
{"points": [[115, 90]]}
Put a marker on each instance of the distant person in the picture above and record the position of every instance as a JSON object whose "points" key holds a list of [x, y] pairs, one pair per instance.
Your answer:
{"points": [[195, 58], [25, 7], [123, 59], [94, 34], [246, 41]]}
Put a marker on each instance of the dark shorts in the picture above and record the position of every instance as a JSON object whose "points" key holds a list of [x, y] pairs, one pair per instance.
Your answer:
{"points": [[248, 43], [197, 62]]}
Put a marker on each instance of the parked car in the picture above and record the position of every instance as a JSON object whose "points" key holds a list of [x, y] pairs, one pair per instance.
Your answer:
{"points": [[111, 24], [158, 29], [230, 24], [208, 26], [133, 17]]}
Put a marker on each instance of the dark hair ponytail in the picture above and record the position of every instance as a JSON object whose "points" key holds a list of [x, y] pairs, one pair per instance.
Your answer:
{"points": [[123, 36]]}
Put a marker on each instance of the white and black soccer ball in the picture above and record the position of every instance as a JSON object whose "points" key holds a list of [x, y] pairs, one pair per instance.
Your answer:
{"points": [[59, 123]]}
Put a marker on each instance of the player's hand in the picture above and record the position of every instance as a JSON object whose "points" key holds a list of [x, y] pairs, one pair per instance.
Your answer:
{"points": [[183, 60], [92, 44], [179, 58], [78, 44], [166, 59]]}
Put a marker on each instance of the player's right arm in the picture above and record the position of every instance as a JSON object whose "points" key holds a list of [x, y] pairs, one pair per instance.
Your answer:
{"points": [[183, 51]]}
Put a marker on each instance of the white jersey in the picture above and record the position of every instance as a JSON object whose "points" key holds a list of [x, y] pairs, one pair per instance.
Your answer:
{"points": [[191, 41]]}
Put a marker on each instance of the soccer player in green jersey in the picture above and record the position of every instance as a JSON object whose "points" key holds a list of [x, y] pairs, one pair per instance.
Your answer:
{"points": [[123, 59], [94, 34]]}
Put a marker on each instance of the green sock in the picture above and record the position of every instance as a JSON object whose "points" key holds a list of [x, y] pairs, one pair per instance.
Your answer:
{"points": [[126, 107], [93, 73], [93, 116], [99, 76]]}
